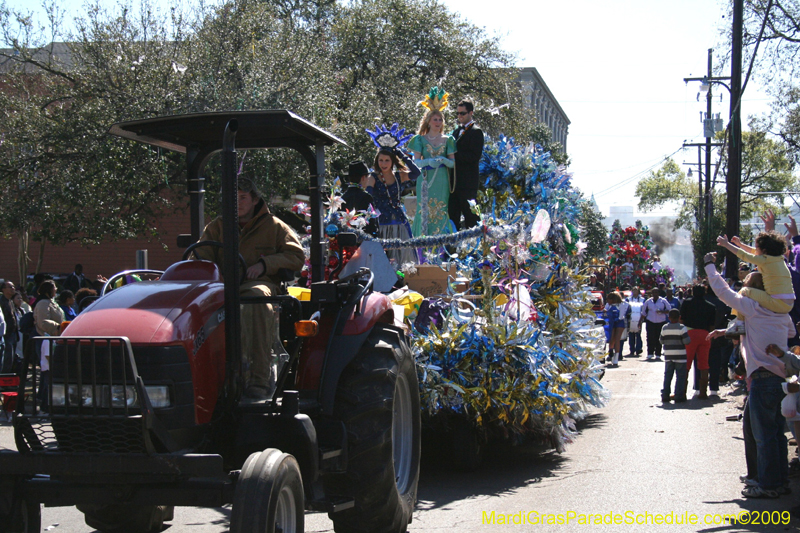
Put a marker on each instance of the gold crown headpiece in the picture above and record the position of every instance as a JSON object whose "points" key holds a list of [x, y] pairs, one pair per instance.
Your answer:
{"points": [[435, 100]]}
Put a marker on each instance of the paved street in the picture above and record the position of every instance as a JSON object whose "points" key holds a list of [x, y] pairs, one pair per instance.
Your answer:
{"points": [[634, 456]]}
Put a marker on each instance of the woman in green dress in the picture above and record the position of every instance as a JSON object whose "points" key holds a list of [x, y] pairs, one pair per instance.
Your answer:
{"points": [[433, 154]]}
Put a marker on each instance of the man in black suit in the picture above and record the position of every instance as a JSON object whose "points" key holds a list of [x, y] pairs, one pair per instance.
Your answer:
{"points": [[465, 180], [76, 281], [355, 197]]}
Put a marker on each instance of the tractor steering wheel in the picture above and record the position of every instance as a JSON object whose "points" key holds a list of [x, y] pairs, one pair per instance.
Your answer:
{"points": [[192, 250]]}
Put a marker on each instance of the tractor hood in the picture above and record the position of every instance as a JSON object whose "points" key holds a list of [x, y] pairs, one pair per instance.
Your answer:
{"points": [[151, 312]]}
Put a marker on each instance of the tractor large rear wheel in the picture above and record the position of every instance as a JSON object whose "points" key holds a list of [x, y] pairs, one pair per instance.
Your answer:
{"points": [[378, 401]]}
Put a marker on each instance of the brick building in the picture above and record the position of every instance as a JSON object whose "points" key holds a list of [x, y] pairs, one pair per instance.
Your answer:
{"points": [[106, 258]]}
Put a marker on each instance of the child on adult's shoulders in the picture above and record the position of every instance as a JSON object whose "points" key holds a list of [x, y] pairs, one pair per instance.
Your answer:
{"points": [[755, 281], [778, 294]]}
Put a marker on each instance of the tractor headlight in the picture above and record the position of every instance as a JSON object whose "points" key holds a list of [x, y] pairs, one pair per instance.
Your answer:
{"points": [[120, 396], [97, 396], [159, 396]]}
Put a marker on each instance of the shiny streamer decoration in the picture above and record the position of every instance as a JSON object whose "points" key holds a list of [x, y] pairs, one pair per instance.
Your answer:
{"points": [[523, 361], [517, 354]]}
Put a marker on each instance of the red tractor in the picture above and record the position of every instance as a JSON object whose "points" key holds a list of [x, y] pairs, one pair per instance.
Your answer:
{"points": [[145, 390]]}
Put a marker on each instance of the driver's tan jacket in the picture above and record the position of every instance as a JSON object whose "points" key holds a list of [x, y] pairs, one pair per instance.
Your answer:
{"points": [[265, 237]]}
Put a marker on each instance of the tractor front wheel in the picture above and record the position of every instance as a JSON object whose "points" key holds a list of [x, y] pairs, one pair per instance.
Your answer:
{"points": [[378, 401], [269, 495]]}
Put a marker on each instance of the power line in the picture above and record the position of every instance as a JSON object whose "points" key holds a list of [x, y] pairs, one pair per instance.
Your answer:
{"points": [[635, 165], [637, 102], [577, 135], [636, 176]]}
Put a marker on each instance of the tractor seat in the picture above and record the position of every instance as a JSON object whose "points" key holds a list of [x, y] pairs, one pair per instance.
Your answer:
{"points": [[192, 271]]}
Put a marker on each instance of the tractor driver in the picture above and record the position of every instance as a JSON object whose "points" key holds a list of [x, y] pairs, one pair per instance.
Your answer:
{"points": [[267, 245]]}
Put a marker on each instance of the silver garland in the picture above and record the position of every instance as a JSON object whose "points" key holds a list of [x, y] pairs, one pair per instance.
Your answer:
{"points": [[432, 241]]}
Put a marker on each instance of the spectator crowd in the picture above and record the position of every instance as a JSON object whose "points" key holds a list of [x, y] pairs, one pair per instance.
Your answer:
{"points": [[38, 309], [744, 331]]}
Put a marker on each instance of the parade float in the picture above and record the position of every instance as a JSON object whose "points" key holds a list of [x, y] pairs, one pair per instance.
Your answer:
{"points": [[631, 259], [508, 348]]}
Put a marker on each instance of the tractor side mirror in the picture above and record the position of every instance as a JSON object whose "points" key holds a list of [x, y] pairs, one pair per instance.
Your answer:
{"points": [[185, 240]]}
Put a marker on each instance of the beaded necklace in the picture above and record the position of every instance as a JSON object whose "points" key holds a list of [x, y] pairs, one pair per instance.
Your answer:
{"points": [[396, 182]]}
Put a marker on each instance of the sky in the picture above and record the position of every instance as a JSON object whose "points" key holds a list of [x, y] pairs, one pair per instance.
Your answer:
{"points": [[616, 68]]}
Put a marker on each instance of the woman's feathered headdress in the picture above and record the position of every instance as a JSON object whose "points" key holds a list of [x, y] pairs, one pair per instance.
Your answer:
{"points": [[435, 100], [391, 138]]}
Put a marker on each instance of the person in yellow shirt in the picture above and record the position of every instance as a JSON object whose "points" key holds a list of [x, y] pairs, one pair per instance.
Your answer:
{"points": [[767, 255]]}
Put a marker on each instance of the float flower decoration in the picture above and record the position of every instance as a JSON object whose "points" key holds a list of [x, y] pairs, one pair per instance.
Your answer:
{"points": [[336, 220], [528, 378], [630, 255]]}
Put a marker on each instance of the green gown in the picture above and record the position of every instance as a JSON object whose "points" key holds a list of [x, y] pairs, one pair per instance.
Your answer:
{"points": [[433, 188]]}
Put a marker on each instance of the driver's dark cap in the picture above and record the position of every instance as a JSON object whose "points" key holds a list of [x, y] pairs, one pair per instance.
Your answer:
{"points": [[245, 183]]}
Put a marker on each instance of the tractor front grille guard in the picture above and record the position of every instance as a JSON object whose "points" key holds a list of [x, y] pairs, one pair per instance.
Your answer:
{"points": [[92, 400]]}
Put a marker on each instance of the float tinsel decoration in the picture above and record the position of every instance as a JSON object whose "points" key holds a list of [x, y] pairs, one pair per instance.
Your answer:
{"points": [[524, 363]]}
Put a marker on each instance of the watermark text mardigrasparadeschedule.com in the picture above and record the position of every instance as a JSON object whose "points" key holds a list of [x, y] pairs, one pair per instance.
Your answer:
{"points": [[634, 518]]}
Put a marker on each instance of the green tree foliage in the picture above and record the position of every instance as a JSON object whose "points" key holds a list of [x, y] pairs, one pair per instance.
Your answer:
{"points": [[387, 55], [777, 62], [766, 167], [343, 65], [667, 183], [780, 40], [261, 55], [62, 178], [594, 233]]}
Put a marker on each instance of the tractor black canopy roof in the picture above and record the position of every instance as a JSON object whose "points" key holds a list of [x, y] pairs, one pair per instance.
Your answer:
{"points": [[200, 135], [256, 129]]}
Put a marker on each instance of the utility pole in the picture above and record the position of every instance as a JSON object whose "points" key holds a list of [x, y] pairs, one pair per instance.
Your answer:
{"points": [[710, 127], [701, 205], [709, 196], [702, 201], [734, 178]]}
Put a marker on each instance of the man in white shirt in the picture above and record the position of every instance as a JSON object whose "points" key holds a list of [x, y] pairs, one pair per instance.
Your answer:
{"points": [[766, 373], [636, 301], [654, 313]]}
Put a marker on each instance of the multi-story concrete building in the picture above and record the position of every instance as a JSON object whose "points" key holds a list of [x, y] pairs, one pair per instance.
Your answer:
{"points": [[538, 96]]}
